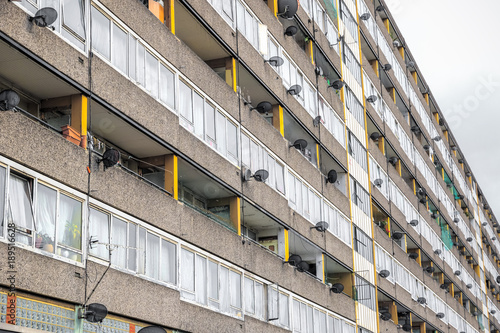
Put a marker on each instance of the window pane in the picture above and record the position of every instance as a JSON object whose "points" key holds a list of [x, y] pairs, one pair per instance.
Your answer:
{"points": [[119, 52], [168, 261], [69, 224], [132, 56], [259, 300], [74, 16], [99, 230], [152, 74], [283, 310], [201, 279], [132, 243], [141, 64], [280, 178], [45, 216], [224, 289], [245, 150], [213, 280], [221, 133], [210, 121], [249, 296], [167, 86], [187, 270], [153, 256], [185, 102], [142, 251], [21, 211], [119, 239], [232, 137], [198, 102], [241, 17], [235, 290]]}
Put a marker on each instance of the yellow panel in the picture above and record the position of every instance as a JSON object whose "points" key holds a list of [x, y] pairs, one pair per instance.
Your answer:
{"points": [[273, 6], [172, 175], [287, 245], [235, 213], [157, 9]]}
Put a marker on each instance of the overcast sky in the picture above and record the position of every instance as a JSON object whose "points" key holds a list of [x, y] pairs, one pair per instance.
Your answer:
{"points": [[456, 46]]}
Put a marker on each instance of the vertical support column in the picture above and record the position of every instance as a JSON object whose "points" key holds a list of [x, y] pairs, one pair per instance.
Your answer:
{"points": [[235, 213], [452, 290], [273, 6], [436, 116], [170, 15], [414, 75], [309, 50], [392, 92], [278, 119], [320, 267], [283, 244], [414, 186], [79, 117], [381, 144], [172, 175], [402, 52], [389, 226], [156, 7], [374, 64], [393, 310], [446, 135], [398, 167], [386, 24], [317, 155], [426, 96], [230, 73], [422, 327]]}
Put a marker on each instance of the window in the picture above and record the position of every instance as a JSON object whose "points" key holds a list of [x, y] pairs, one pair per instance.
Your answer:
{"points": [[73, 15], [119, 241], [152, 74], [360, 197], [21, 208], [363, 244], [354, 106], [99, 231], [69, 227], [277, 307], [254, 298], [357, 151], [101, 33], [2, 199], [119, 49], [167, 86], [46, 210], [365, 292]]}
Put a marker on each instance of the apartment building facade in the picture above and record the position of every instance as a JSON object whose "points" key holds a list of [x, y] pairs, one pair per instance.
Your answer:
{"points": [[232, 166]]}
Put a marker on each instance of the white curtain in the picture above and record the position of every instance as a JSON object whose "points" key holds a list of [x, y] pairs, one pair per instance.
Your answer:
{"points": [[99, 230], [46, 217], [201, 280], [153, 256], [119, 241], [168, 261]]}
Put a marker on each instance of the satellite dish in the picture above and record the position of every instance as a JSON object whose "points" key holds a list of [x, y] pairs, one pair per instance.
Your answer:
{"points": [[457, 272], [110, 158], [444, 285], [246, 174], [397, 235], [485, 224], [434, 215], [469, 286], [152, 329], [385, 316], [413, 255], [95, 313], [294, 90], [261, 175], [375, 136], [387, 67], [302, 266], [378, 182], [469, 239], [407, 327], [287, 8], [440, 315], [337, 288], [429, 269], [321, 226], [415, 129], [291, 31], [44, 17], [384, 273], [293, 260], [423, 200], [437, 251], [421, 300], [364, 16], [337, 84], [411, 64], [319, 71], [9, 99], [331, 177], [371, 99], [456, 220], [414, 223], [317, 121], [275, 61], [299, 144], [393, 160], [263, 107]]}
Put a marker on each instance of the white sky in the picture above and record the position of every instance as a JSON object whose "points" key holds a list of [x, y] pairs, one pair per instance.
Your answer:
{"points": [[456, 46]]}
